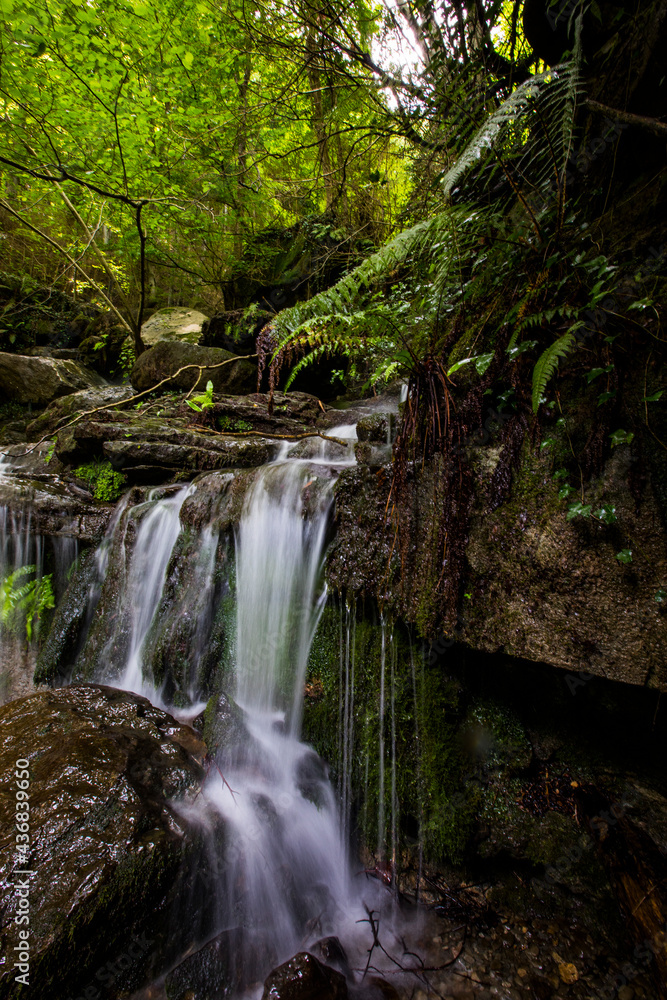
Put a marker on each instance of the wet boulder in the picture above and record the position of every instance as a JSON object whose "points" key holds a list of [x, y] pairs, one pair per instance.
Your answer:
{"points": [[175, 323], [41, 380], [235, 330], [66, 408], [208, 974], [304, 977], [168, 357], [108, 780], [377, 427]]}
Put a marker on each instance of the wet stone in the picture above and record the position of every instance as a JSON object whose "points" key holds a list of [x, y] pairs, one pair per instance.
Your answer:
{"points": [[304, 978]]}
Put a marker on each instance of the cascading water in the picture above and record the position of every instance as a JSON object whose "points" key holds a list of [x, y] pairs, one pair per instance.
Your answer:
{"points": [[156, 537], [286, 862]]}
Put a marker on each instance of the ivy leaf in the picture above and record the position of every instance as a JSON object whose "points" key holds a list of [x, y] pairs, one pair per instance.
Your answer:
{"points": [[604, 397], [606, 513], [566, 491], [660, 595], [579, 509], [624, 556], [621, 437], [596, 372]]}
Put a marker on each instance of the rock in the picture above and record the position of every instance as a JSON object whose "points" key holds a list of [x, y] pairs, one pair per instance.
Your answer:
{"points": [[378, 427], [111, 856], [223, 723], [167, 357], [61, 410], [59, 652], [333, 953], [55, 508], [209, 974], [304, 978], [173, 323], [207, 454], [235, 330], [148, 442], [40, 380], [373, 455]]}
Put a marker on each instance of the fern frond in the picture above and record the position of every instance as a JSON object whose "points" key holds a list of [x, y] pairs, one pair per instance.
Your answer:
{"points": [[546, 365], [527, 139]]}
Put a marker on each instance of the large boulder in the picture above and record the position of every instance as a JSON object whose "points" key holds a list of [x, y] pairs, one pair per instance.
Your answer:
{"points": [[167, 357], [109, 850], [235, 330], [66, 408], [40, 380], [173, 323]]}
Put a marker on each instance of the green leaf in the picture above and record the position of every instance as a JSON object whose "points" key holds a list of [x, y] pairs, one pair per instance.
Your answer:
{"points": [[188, 60], [621, 437], [459, 364], [624, 556], [578, 509], [547, 363], [606, 513], [604, 397], [596, 372], [565, 491], [654, 397], [660, 595], [482, 362]]}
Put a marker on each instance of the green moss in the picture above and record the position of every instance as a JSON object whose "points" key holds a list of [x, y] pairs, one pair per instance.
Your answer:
{"points": [[428, 757], [107, 484]]}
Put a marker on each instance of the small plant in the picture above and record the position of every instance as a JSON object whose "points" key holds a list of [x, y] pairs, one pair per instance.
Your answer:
{"points": [[227, 424], [22, 603], [105, 483], [204, 401], [126, 360]]}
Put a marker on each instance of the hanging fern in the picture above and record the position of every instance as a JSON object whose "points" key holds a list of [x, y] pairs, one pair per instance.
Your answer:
{"points": [[547, 362], [357, 317], [526, 140]]}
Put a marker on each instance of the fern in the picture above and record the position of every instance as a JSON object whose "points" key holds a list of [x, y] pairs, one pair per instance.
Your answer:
{"points": [[23, 603], [527, 139], [357, 315], [546, 365]]}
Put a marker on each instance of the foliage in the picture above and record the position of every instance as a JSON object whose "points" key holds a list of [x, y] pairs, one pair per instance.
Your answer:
{"points": [[22, 602], [547, 363], [106, 484], [204, 401]]}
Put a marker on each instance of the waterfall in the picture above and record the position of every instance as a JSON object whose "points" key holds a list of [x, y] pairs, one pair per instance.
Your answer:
{"points": [[156, 537], [286, 861]]}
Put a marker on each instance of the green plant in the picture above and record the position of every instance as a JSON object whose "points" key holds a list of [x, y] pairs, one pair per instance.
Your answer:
{"points": [[204, 401], [22, 603], [547, 364], [106, 484]]}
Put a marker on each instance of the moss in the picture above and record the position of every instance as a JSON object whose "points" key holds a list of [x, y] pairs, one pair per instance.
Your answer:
{"points": [[427, 753], [107, 484]]}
